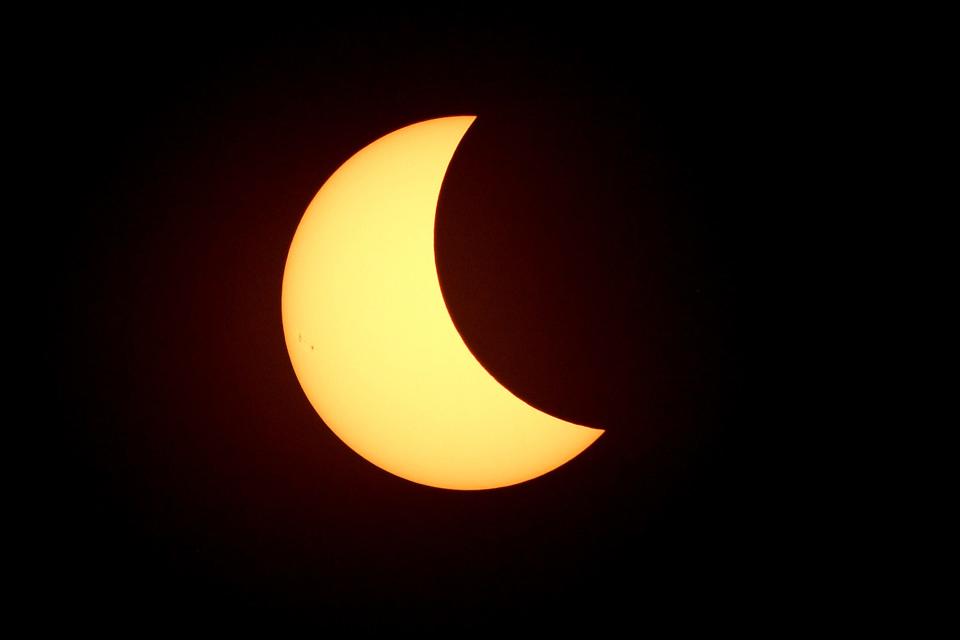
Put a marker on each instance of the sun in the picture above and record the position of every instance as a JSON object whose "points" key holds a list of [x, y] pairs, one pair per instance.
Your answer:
{"points": [[372, 342]]}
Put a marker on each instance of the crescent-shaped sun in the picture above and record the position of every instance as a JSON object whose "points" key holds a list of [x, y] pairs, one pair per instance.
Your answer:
{"points": [[372, 342]]}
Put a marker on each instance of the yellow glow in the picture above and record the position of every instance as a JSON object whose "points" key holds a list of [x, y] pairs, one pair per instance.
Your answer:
{"points": [[371, 340]]}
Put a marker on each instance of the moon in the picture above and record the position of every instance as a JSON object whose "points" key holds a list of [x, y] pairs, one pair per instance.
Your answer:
{"points": [[372, 342]]}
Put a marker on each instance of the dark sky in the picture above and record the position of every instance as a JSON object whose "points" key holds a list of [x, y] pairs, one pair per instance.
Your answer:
{"points": [[598, 243]]}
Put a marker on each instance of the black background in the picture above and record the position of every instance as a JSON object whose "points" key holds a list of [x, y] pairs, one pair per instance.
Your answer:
{"points": [[599, 242]]}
